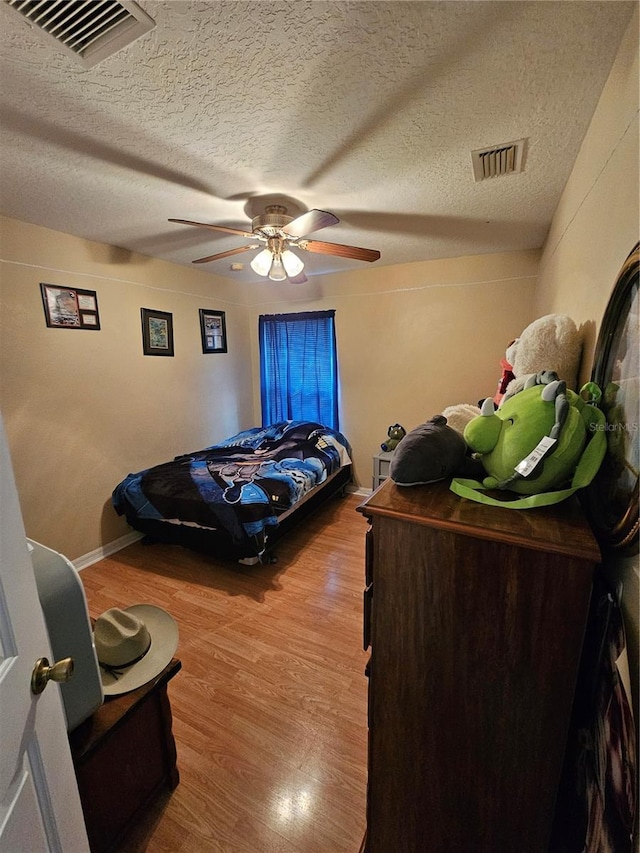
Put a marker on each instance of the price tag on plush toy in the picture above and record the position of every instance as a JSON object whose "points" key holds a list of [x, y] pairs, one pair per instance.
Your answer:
{"points": [[529, 463]]}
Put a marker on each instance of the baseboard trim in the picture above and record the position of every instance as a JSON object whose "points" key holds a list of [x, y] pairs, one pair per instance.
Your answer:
{"points": [[359, 490], [106, 550]]}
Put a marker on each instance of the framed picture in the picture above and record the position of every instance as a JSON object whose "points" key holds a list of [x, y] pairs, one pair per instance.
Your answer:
{"points": [[157, 332], [213, 330], [70, 307]]}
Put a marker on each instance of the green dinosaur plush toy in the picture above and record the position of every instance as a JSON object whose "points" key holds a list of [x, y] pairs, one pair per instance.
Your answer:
{"points": [[545, 442], [396, 433]]}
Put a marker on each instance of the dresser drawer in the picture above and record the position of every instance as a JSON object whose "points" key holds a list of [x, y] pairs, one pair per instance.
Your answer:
{"points": [[368, 557], [381, 465], [368, 602]]}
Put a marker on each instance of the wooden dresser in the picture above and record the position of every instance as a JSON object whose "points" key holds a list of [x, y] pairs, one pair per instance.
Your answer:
{"points": [[475, 617]]}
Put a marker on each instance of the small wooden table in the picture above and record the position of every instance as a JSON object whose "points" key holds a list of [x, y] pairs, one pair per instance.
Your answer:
{"points": [[124, 755]]}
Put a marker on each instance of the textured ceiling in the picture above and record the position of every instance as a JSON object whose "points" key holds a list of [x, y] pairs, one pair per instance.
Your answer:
{"points": [[366, 109]]}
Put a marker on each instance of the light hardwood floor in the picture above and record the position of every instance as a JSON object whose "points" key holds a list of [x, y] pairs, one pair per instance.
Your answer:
{"points": [[270, 707]]}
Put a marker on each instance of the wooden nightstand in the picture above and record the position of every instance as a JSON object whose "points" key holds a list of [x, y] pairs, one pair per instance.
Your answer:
{"points": [[124, 755], [381, 463]]}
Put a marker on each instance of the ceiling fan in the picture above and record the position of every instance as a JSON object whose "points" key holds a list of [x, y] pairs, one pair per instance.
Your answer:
{"points": [[277, 233]]}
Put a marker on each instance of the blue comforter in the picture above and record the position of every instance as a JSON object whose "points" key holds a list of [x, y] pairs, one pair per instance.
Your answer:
{"points": [[241, 484]]}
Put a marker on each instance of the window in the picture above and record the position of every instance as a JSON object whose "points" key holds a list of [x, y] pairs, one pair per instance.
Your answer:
{"points": [[299, 368]]}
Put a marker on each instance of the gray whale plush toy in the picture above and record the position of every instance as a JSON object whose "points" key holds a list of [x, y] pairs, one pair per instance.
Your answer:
{"points": [[430, 452]]}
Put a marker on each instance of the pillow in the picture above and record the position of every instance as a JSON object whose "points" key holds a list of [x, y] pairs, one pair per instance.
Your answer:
{"points": [[430, 452]]}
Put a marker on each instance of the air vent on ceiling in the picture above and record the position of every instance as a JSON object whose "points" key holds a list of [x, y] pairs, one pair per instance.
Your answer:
{"points": [[90, 30], [498, 160]]}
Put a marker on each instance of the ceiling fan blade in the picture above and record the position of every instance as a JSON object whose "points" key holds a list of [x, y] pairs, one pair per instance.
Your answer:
{"points": [[339, 250], [307, 223], [214, 227], [225, 254], [298, 279]]}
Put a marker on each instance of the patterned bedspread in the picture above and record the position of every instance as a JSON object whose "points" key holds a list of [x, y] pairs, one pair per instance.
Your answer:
{"points": [[242, 484]]}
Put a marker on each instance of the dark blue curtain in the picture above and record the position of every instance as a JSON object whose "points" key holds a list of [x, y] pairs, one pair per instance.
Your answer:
{"points": [[299, 368]]}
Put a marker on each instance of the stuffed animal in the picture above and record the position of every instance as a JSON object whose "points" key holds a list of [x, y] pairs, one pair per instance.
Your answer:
{"points": [[507, 376], [551, 343], [458, 416], [430, 452], [542, 439], [396, 433]]}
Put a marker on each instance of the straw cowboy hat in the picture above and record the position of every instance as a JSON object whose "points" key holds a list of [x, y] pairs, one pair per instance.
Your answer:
{"points": [[133, 645]]}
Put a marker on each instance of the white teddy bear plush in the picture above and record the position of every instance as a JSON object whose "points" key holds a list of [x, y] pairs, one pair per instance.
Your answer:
{"points": [[459, 416], [550, 343]]}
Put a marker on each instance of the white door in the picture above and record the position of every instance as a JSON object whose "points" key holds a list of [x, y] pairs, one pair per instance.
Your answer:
{"points": [[39, 804]]}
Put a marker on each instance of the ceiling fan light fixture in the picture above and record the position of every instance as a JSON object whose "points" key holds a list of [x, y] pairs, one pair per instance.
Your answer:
{"points": [[278, 230], [277, 273], [261, 264], [292, 264]]}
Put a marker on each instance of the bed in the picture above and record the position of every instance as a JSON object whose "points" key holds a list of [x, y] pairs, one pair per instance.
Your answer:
{"points": [[236, 499]]}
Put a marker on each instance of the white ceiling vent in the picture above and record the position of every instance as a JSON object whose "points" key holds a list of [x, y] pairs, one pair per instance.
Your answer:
{"points": [[498, 160], [90, 30]]}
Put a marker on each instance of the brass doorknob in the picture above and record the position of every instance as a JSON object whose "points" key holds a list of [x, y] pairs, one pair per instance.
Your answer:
{"points": [[42, 674]]}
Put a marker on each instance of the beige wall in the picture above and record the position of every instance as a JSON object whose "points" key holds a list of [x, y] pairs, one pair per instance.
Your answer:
{"points": [[84, 408], [413, 338], [596, 225]]}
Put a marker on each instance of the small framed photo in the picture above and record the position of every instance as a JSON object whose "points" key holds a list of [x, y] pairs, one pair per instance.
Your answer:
{"points": [[157, 332], [213, 330], [70, 307]]}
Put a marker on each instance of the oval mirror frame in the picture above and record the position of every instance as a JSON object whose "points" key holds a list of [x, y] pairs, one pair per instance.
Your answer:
{"points": [[611, 500]]}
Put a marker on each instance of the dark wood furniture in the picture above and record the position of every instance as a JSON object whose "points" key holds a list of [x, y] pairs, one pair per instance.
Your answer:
{"points": [[124, 755], [475, 616]]}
